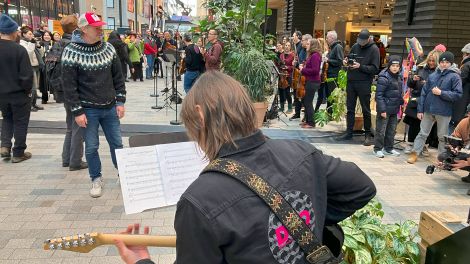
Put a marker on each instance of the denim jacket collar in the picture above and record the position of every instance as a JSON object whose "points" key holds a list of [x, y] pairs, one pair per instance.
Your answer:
{"points": [[242, 144]]}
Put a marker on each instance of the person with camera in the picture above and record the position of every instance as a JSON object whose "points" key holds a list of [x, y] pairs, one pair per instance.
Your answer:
{"points": [[363, 64], [440, 91], [416, 83]]}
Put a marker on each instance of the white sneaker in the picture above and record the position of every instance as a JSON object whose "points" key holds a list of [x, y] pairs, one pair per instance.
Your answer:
{"points": [[97, 187], [408, 149], [425, 152], [379, 154], [392, 152]]}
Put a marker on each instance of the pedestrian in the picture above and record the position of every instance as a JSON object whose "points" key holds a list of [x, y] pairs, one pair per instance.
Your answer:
{"points": [[46, 46], [150, 52], [193, 61], [16, 83], [443, 88], [135, 55], [122, 51], [236, 224], [389, 98], [460, 106], [363, 64], [335, 62], [94, 91], [31, 44], [213, 55], [416, 82]]}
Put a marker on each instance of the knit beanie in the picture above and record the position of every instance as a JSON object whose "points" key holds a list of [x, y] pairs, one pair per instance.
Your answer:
{"points": [[7, 24], [440, 48], [394, 59], [447, 56]]}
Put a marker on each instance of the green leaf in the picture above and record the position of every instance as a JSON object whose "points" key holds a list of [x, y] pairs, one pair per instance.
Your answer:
{"points": [[375, 228], [412, 248], [398, 247], [362, 256], [350, 242], [377, 242]]}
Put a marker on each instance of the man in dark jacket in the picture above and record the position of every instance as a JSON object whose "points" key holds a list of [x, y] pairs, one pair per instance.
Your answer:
{"points": [[95, 91], [122, 51], [442, 89], [335, 62], [363, 64], [16, 82], [72, 150]]}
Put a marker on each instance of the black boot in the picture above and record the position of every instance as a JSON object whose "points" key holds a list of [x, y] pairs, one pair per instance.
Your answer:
{"points": [[368, 141]]}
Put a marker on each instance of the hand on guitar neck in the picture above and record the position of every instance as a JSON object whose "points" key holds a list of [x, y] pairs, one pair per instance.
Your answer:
{"points": [[132, 246]]}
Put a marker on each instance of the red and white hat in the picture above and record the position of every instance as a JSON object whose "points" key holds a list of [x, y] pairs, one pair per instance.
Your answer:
{"points": [[90, 19]]}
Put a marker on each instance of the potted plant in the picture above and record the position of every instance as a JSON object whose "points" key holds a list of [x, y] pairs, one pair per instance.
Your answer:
{"points": [[367, 240], [239, 25]]}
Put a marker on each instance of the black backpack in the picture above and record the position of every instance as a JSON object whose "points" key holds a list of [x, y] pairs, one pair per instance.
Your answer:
{"points": [[53, 70]]}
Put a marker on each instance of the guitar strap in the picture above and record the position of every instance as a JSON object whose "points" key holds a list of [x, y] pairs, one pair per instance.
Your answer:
{"points": [[312, 247]]}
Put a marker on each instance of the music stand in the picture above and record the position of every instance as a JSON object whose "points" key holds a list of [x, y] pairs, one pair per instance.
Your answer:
{"points": [[155, 88], [172, 58]]}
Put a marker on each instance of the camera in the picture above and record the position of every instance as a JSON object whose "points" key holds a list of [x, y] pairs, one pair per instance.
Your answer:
{"points": [[453, 146], [351, 59]]}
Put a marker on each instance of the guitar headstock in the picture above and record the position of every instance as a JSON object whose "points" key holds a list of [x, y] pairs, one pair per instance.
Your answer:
{"points": [[82, 243]]}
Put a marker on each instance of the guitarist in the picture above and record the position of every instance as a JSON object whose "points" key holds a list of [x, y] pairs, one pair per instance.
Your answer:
{"points": [[219, 219]]}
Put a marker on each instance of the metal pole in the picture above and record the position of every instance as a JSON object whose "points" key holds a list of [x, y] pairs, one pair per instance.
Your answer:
{"points": [[265, 24], [120, 13], [135, 12]]}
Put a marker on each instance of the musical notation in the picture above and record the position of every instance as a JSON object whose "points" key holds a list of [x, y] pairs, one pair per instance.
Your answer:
{"points": [[157, 176]]}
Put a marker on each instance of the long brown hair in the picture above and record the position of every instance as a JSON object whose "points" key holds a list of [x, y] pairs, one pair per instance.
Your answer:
{"points": [[228, 112], [314, 46]]}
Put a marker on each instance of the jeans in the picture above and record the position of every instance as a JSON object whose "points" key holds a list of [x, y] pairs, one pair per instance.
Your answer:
{"points": [[354, 90], [150, 62], [310, 89], [425, 128], [15, 111], [189, 79], [385, 132], [72, 150], [110, 124]]}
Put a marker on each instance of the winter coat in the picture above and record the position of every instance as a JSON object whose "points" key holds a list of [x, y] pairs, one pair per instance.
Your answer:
{"points": [[335, 59], [369, 58], [311, 69], [135, 52], [451, 90], [416, 86], [30, 48], [213, 56], [389, 93], [460, 107], [121, 48]]}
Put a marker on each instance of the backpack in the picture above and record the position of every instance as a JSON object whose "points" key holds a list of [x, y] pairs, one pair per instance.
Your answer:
{"points": [[53, 70]]}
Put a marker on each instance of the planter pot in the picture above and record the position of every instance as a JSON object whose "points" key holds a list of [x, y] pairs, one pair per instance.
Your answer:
{"points": [[358, 123], [260, 110]]}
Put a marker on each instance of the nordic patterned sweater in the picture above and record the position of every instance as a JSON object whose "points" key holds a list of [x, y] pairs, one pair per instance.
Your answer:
{"points": [[91, 75]]}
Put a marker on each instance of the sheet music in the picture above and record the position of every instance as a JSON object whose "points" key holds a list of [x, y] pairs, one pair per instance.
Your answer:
{"points": [[156, 176], [179, 163]]}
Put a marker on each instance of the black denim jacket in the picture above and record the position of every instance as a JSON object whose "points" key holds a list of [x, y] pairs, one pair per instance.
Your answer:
{"points": [[220, 220]]}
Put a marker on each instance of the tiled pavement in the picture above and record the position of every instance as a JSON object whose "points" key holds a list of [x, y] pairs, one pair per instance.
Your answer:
{"points": [[40, 200]]}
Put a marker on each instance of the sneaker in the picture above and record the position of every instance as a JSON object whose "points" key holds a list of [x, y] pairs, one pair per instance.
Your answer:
{"points": [[466, 179], [347, 136], [294, 117], [368, 141], [408, 149], [392, 153], [379, 154], [5, 152], [425, 152], [96, 187], [413, 157], [83, 165], [26, 156]]}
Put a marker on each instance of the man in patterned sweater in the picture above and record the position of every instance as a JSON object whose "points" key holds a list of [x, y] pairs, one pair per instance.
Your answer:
{"points": [[94, 90]]}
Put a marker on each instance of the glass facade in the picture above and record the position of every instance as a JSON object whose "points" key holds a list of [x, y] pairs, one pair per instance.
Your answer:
{"points": [[33, 12]]}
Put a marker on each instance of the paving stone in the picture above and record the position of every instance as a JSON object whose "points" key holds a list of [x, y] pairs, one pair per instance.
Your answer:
{"points": [[20, 243], [51, 176]]}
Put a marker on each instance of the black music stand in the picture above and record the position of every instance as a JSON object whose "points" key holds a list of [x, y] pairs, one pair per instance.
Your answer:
{"points": [[174, 85], [155, 89]]}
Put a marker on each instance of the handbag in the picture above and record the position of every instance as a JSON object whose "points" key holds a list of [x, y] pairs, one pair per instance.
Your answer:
{"points": [[313, 249]]}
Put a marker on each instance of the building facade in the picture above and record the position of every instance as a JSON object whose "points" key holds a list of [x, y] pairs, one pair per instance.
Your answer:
{"points": [[33, 12]]}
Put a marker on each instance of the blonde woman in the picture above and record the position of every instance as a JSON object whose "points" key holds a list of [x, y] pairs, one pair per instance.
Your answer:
{"points": [[416, 82], [220, 220]]}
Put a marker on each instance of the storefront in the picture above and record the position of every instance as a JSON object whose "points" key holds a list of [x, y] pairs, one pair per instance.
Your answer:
{"points": [[33, 12]]}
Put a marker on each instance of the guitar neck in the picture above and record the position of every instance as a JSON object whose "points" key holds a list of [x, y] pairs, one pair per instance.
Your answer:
{"points": [[139, 240]]}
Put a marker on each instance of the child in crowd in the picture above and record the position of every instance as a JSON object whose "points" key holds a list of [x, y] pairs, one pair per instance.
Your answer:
{"points": [[389, 98]]}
